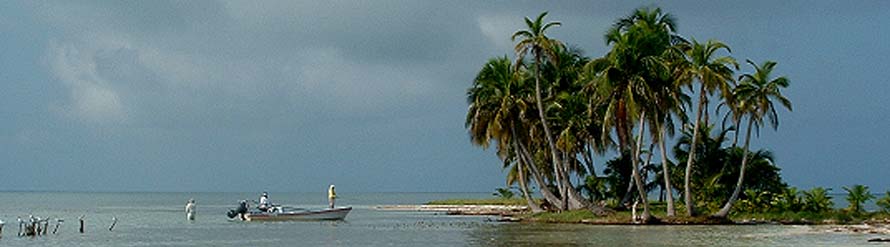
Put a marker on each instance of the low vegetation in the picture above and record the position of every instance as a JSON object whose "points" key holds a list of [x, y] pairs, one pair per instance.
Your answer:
{"points": [[789, 206], [884, 203]]}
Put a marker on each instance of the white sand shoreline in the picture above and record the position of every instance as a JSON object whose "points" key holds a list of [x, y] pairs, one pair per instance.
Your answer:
{"points": [[459, 209]]}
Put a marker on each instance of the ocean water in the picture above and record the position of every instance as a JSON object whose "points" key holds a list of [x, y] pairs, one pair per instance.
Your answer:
{"points": [[158, 219]]}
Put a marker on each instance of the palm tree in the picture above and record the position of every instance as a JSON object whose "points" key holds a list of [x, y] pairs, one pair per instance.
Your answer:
{"points": [[534, 40], [756, 93], [661, 121], [733, 113], [856, 196], [630, 73], [670, 101], [575, 131], [712, 73], [495, 106]]}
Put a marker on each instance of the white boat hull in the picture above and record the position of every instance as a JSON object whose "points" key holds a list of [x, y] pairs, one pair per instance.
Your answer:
{"points": [[297, 215]]}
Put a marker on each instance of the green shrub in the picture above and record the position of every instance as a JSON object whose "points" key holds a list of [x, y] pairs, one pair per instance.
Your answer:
{"points": [[817, 200], [755, 201], [503, 193], [857, 196], [884, 203], [788, 200]]}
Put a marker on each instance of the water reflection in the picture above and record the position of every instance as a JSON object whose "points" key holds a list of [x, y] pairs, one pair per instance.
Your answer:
{"points": [[530, 234]]}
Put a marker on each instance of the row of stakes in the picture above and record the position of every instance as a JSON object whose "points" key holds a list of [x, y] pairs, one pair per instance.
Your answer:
{"points": [[35, 226]]}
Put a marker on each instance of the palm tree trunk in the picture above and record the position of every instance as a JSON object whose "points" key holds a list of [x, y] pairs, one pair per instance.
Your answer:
{"points": [[622, 131], [706, 118], [645, 166], [645, 170], [523, 186], [628, 193], [661, 194], [553, 152], [671, 212], [738, 186], [572, 199], [636, 169], [690, 209], [564, 180], [588, 156], [621, 126], [548, 195], [575, 200], [736, 137]]}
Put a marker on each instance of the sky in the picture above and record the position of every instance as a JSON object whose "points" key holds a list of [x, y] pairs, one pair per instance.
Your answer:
{"points": [[370, 95]]}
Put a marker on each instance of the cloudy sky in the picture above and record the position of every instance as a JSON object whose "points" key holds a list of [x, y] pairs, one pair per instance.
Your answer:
{"points": [[370, 95]]}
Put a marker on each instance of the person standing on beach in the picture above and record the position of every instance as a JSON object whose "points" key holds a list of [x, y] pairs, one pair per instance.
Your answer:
{"points": [[190, 209], [332, 195]]}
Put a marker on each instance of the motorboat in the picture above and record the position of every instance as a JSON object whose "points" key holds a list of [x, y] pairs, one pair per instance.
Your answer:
{"points": [[279, 213]]}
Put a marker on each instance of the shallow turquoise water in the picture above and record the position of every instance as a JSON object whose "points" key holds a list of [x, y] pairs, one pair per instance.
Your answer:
{"points": [[158, 219]]}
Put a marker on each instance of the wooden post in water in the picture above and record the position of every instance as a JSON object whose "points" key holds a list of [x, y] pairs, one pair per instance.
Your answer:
{"points": [[113, 222], [58, 222], [81, 223]]}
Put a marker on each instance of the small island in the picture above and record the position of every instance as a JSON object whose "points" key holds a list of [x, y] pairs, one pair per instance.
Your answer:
{"points": [[582, 133]]}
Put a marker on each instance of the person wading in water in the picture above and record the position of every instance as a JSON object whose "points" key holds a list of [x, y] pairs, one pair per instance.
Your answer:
{"points": [[190, 209]]}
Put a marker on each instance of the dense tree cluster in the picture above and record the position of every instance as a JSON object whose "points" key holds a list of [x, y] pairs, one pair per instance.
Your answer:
{"points": [[553, 113]]}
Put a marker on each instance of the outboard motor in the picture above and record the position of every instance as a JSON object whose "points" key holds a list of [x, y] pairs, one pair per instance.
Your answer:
{"points": [[242, 209]]}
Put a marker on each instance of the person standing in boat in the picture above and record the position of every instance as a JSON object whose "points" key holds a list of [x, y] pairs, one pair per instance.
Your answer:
{"points": [[332, 195], [190, 209], [264, 202]]}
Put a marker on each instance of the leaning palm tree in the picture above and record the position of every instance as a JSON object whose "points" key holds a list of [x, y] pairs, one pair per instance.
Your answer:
{"points": [[569, 112], [495, 105], [534, 40], [756, 93], [713, 74]]}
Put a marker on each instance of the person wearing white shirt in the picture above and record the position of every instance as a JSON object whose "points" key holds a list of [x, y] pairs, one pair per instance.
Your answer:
{"points": [[190, 209], [264, 202], [332, 196]]}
